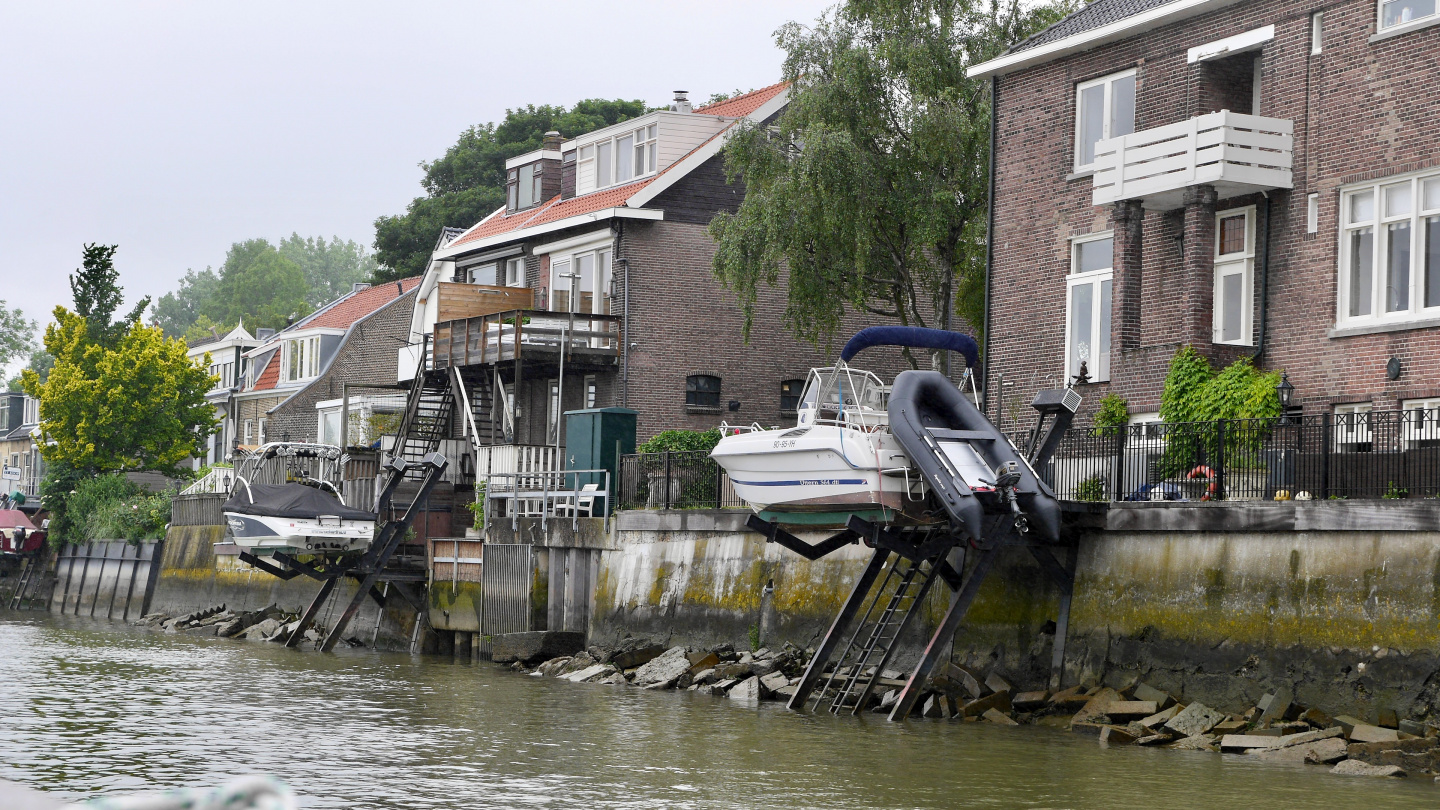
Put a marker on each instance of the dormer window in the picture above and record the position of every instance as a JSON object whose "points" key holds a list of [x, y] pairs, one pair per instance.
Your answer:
{"points": [[301, 359], [523, 187], [628, 155]]}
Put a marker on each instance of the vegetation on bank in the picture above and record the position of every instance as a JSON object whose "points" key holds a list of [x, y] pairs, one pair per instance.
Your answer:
{"points": [[681, 441]]}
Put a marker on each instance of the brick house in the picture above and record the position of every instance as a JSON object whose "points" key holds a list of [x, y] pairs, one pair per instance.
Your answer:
{"points": [[21, 466], [604, 238], [290, 385], [1257, 178]]}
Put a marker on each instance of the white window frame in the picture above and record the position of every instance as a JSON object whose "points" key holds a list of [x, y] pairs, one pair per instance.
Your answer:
{"points": [[1414, 22], [480, 272], [1108, 82], [515, 272], [602, 272], [1421, 212], [248, 427], [553, 406], [1230, 264], [1422, 423], [1352, 426], [644, 144], [1317, 32], [1099, 371], [591, 391], [303, 352]]}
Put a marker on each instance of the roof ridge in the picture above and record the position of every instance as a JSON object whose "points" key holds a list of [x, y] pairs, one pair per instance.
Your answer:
{"points": [[733, 99]]}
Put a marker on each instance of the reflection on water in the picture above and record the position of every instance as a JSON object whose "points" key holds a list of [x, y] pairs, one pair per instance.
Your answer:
{"points": [[90, 708]]}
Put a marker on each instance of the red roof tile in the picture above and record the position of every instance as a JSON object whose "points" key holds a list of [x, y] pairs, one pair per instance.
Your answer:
{"points": [[557, 209], [270, 377]]}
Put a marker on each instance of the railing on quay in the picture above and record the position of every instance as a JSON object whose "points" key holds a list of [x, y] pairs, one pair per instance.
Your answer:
{"points": [[1382, 454], [549, 494], [675, 480]]}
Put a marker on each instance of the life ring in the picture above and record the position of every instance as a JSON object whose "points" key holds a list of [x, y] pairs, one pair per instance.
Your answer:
{"points": [[1202, 471]]}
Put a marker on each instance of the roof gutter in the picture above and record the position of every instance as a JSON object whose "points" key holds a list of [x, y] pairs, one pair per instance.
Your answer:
{"points": [[535, 230], [1120, 29]]}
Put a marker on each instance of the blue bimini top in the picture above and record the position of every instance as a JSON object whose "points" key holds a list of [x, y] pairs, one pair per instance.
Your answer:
{"points": [[915, 337]]}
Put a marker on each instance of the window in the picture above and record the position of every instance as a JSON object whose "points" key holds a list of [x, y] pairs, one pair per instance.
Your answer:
{"points": [[260, 432], [523, 186], [481, 274], [515, 272], [591, 391], [1104, 108], [790, 394], [301, 359], [1087, 304], [602, 164], [1352, 428], [1234, 276], [1400, 12], [1317, 31], [702, 391], [1390, 251], [580, 282], [619, 159], [1312, 213], [552, 411], [1422, 423], [246, 432], [330, 427]]}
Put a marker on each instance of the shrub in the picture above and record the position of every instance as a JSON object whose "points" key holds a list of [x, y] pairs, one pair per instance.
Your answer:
{"points": [[1114, 413], [109, 507], [1091, 489], [682, 441], [1194, 392]]}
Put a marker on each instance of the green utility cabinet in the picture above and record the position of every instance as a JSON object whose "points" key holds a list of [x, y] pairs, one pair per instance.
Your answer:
{"points": [[595, 439]]}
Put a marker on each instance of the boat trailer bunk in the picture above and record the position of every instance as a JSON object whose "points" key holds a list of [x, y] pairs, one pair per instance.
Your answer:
{"points": [[907, 561], [372, 567]]}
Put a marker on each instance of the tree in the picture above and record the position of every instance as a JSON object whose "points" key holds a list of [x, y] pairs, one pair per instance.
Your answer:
{"points": [[41, 362], [258, 285], [97, 296], [17, 335], [177, 311], [870, 193], [468, 182], [330, 270], [138, 404]]}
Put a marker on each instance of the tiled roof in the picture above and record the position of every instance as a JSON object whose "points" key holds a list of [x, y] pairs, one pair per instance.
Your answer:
{"points": [[270, 377], [557, 209], [1095, 15]]}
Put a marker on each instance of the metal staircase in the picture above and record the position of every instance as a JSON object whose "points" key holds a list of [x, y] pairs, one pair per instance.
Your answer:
{"points": [[27, 573], [426, 421]]}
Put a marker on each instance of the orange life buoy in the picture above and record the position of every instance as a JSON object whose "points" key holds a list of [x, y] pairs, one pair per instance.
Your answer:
{"points": [[1202, 471]]}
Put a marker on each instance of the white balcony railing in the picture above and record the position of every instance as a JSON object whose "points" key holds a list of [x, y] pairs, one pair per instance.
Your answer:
{"points": [[511, 459], [1238, 154]]}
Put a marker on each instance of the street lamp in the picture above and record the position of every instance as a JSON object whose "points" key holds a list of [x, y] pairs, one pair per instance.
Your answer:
{"points": [[1284, 390]]}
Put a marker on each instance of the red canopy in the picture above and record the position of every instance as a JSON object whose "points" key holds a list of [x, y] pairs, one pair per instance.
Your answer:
{"points": [[11, 519]]}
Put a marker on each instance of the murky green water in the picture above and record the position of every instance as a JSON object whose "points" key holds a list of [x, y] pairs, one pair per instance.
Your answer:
{"points": [[89, 708]]}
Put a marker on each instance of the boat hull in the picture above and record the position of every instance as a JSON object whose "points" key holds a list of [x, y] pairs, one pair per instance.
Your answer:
{"points": [[261, 533]]}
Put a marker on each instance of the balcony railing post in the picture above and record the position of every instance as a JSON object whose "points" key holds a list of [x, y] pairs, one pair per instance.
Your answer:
{"points": [[1220, 460], [667, 479], [1327, 440]]}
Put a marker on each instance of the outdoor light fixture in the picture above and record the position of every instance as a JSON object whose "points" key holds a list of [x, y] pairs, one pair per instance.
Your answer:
{"points": [[734, 404], [1392, 369], [1284, 390]]}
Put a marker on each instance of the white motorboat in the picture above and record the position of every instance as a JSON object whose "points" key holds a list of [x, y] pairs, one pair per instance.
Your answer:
{"points": [[285, 498]]}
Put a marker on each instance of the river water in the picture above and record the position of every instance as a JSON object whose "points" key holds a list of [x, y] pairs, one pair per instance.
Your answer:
{"points": [[89, 709]]}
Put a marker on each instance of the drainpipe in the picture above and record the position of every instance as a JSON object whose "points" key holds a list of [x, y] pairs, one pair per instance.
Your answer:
{"points": [[1264, 283], [989, 247], [625, 319]]}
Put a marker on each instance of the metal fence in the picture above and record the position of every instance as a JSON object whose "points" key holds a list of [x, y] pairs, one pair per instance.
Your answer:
{"points": [[675, 480], [203, 509], [1383, 454]]}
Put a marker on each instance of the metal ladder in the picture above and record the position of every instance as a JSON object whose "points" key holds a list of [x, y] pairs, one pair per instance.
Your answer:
{"points": [[27, 573], [911, 580], [426, 421]]}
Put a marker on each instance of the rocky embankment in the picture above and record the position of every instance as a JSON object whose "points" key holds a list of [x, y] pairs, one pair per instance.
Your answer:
{"points": [[267, 624]]}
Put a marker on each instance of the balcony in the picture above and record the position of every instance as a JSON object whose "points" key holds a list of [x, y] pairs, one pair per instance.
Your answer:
{"points": [[1237, 154], [587, 341]]}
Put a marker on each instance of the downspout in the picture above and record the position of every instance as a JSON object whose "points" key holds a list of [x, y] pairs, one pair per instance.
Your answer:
{"points": [[625, 318], [989, 247], [1264, 283]]}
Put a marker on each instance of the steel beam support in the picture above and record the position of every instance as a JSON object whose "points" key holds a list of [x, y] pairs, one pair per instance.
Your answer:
{"points": [[247, 557], [1062, 621], [774, 534], [311, 611], [813, 670]]}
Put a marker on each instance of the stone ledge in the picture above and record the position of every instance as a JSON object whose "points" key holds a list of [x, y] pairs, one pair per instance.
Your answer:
{"points": [[1275, 516], [682, 520]]}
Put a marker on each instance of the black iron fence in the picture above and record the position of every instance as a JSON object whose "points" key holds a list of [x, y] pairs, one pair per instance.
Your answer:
{"points": [[1383, 454], [674, 480]]}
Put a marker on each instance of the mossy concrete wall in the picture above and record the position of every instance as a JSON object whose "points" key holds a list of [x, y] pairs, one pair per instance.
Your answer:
{"points": [[1336, 602], [193, 576]]}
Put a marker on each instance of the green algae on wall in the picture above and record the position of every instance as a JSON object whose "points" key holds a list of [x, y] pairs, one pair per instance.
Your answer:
{"points": [[455, 606]]}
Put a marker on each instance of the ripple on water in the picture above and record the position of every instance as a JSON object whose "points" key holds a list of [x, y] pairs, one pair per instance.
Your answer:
{"points": [[89, 709]]}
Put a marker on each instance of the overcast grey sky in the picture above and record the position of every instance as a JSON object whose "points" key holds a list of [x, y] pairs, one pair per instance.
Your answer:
{"points": [[176, 128]]}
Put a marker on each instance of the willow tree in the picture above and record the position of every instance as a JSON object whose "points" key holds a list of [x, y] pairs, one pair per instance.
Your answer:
{"points": [[869, 192]]}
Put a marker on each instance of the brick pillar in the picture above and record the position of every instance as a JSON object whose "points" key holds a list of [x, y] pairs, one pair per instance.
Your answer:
{"points": [[1198, 269], [1127, 217]]}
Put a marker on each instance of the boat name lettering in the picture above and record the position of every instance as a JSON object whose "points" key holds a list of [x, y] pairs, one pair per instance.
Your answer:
{"points": [[782, 443]]}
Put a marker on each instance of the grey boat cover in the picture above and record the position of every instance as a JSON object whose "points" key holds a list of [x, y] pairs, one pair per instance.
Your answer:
{"points": [[290, 501]]}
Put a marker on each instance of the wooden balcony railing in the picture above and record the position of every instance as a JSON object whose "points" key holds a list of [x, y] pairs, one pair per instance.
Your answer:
{"points": [[1238, 154], [505, 336]]}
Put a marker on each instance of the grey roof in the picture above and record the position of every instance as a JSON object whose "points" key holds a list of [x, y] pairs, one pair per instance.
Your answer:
{"points": [[1097, 14]]}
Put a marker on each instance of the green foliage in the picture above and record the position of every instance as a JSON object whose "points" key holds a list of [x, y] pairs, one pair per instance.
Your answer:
{"points": [[108, 507], [259, 285], [870, 192], [176, 312], [329, 269], [1194, 393], [97, 296], [1394, 493], [1113, 414], [477, 508], [17, 334], [467, 183], [681, 441], [754, 637], [41, 362], [1184, 383], [1091, 489]]}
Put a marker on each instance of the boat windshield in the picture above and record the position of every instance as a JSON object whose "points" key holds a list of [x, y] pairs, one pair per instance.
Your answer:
{"points": [[845, 396], [287, 462]]}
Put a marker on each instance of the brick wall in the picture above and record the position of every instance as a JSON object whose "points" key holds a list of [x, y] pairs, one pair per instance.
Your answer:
{"points": [[1360, 110]]}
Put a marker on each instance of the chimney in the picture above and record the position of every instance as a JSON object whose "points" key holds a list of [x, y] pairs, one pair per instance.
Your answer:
{"points": [[681, 104], [264, 334], [359, 285], [551, 142]]}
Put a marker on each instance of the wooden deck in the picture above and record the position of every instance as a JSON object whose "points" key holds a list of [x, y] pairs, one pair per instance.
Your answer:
{"points": [[587, 340]]}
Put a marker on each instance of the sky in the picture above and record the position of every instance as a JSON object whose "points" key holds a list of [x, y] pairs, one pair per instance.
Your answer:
{"points": [[175, 129]]}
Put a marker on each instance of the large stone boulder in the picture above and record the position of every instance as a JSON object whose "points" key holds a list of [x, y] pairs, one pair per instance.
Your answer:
{"points": [[535, 646], [664, 670]]}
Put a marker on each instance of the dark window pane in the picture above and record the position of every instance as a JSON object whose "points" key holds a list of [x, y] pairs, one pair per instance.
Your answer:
{"points": [[702, 390], [1232, 235], [1432, 261], [790, 394]]}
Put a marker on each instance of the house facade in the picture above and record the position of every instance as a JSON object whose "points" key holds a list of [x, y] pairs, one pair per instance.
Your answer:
{"points": [[1255, 179], [227, 364], [21, 466], [603, 248]]}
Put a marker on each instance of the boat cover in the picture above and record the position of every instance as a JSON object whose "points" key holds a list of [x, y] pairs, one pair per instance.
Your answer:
{"points": [[290, 501], [915, 336], [15, 519]]}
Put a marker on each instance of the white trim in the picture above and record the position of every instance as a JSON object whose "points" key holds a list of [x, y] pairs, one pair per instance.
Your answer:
{"points": [[549, 227], [1120, 29], [1240, 43], [490, 256], [680, 168], [605, 235], [1244, 260], [531, 157], [1405, 28], [1095, 279], [1107, 111]]}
